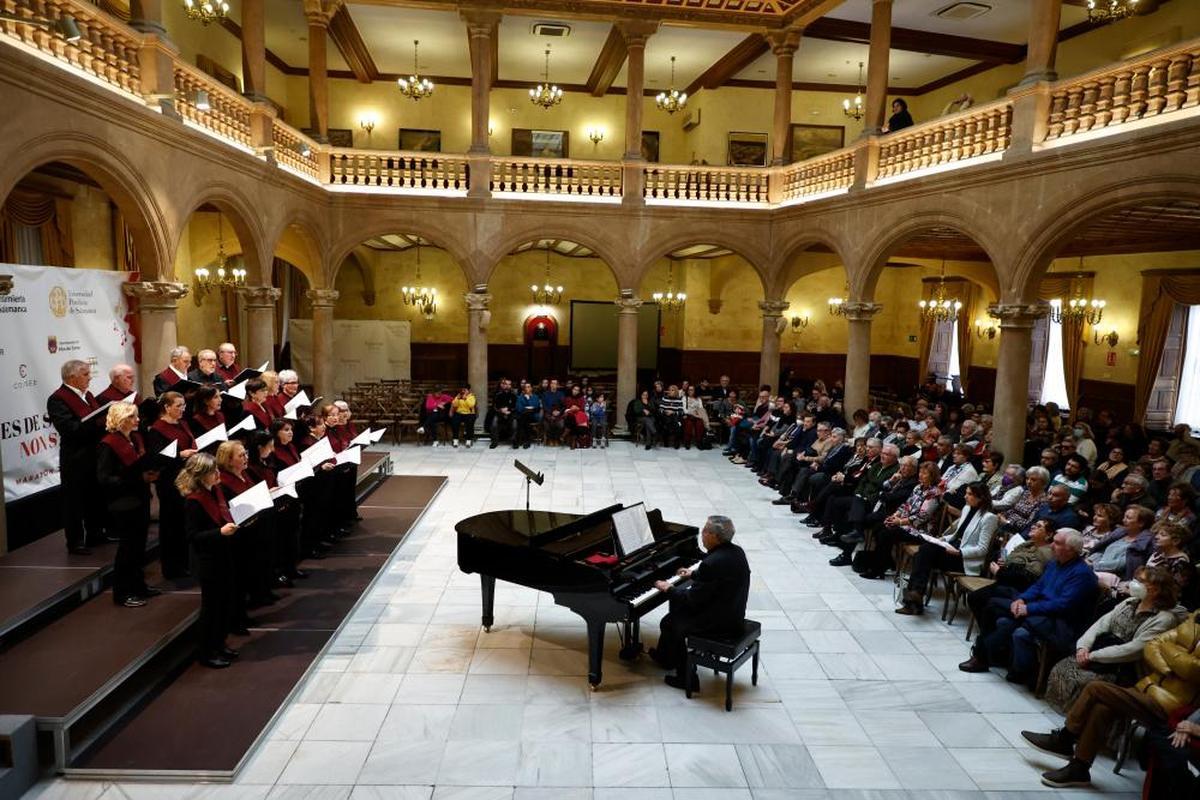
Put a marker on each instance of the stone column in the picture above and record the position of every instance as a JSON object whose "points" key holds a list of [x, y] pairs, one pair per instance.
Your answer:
{"points": [[858, 354], [635, 35], [318, 13], [877, 66], [1044, 17], [260, 324], [478, 318], [768, 360], [482, 31], [254, 49], [158, 302], [1012, 375], [627, 347], [156, 56], [322, 301], [146, 16], [783, 45]]}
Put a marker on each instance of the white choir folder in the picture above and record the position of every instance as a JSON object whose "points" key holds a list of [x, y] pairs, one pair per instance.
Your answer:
{"points": [[253, 501], [213, 436], [351, 455], [319, 453], [295, 473]]}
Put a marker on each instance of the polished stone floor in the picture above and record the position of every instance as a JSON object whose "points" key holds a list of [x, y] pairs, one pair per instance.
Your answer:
{"points": [[414, 701]]}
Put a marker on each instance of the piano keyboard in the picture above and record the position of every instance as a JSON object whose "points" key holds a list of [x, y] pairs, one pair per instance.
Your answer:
{"points": [[646, 595]]}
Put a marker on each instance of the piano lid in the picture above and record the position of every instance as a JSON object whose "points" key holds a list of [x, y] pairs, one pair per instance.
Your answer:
{"points": [[530, 528]]}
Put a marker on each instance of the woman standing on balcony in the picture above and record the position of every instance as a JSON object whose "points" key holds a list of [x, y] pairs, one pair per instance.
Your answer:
{"points": [[900, 117]]}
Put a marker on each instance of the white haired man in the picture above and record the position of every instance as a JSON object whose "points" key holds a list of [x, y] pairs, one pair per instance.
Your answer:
{"points": [[83, 513], [176, 371]]}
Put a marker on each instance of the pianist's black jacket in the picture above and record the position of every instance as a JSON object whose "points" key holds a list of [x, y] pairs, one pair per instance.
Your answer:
{"points": [[716, 596]]}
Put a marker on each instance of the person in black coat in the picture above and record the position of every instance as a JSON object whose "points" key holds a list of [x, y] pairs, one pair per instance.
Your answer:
{"points": [[83, 517], [900, 117], [712, 602], [123, 479], [208, 525]]}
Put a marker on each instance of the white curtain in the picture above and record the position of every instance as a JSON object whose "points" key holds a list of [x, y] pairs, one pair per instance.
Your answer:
{"points": [[952, 369], [1187, 407], [1054, 386]]}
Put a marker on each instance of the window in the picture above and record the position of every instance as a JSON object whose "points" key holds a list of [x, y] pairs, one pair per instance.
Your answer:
{"points": [[952, 369], [1187, 407], [1054, 387]]}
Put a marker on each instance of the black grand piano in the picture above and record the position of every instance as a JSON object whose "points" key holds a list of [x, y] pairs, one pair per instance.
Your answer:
{"points": [[548, 551]]}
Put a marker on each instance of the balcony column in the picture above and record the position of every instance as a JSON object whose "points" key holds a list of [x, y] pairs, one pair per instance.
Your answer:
{"points": [[260, 323], [877, 66], [1012, 375], [627, 347], [156, 55], [783, 45], [1044, 19], [768, 360], [635, 35], [478, 319], [146, 16], [481, 32], [322, 301], [157, 304], [318, 13], [858, 353], [254, 49]]}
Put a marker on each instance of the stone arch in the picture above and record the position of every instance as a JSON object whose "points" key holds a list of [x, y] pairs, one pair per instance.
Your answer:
{"points": [[514, 239], [117, 176], [436, 238], [245, 222], [1066, 223], [355, 259], [785, 276], [299, 242], [755, 256]]}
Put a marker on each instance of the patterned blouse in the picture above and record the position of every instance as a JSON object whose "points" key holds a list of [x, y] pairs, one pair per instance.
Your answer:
{"points": [[919, 508], [1022, 511], [1179, 565]]}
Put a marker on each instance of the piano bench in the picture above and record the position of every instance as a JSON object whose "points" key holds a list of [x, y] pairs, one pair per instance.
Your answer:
{"points": [[724, 655]]}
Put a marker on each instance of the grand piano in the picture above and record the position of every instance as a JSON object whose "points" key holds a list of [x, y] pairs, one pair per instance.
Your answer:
{"points": [[549, 550]]}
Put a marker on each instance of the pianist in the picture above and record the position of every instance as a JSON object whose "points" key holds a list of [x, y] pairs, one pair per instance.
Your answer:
{"points": [[712, 603]]}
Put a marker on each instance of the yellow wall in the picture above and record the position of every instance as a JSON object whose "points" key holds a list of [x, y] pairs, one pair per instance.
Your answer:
{"points": [[92, 228], [205, 325]]}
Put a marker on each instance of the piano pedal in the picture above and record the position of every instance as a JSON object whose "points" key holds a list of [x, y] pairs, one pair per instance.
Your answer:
{"points": [[631, 651]]}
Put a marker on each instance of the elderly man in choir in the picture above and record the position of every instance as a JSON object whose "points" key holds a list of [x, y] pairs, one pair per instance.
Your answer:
{"points": [[227, 366], [83, 514], [122, 382], [205, 372], [176, 371], [710, 601]]}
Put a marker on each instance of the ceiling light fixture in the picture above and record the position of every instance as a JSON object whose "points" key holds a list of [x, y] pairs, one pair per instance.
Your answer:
{"points": [[546, 95], [205, 11], [1078, 308], [414, 86], [671, 100], [424, 298], [671, 301], [1101, 11], [854, 108], [938, 307], [546, 295], [222, 275], [837, 305]]}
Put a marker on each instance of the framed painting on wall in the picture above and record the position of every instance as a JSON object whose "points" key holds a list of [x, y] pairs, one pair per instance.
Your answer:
{"points": [[341, 137], [747, 149], [540, 144], [420, 140], [809, 141], [650, 140]]}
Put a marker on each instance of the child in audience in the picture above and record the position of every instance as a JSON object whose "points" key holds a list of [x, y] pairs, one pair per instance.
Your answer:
{"points": [[598, 414]]}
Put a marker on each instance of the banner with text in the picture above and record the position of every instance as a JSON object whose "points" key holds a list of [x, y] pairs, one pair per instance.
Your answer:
{"points": [[48, 316]]}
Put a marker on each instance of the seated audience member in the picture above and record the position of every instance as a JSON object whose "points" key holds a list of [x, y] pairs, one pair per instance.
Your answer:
{"points": [[1117, 556], [1057, 509], [1054, 611], [1171, 682], [845, 516], [1085, 442], [529, 413], [597, 411], [1160, 481], [960, 474], [502, 410], [963, 548], [179, 361], [892, 495], [773, 439], [1074, 478], [1109, 474], [861, 425], [575, 419], [462, 417], [913, 517], [205, 372], [745, 436], [1009, 489], [729, 413], [1174, 747], [695, 419], [1017, 570], [670, 417], [124, 483], [993, 472], [1050, 461], [644, 418], [1167, 553], [1133, 492], [554, 405], [795, 469], [1105, 518], [1152, 451], [841, 485], [782, 464], [435, 411], [1181, 497], [1183, 439], [1112, 647], [169, 427], [711, 603]]}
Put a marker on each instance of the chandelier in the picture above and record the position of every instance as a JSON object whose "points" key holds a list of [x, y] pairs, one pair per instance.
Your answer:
{"points": [[1110, 10], [423, 298], [221, 276], [206, 11], [837, 305], [546, 295], [671, 100], [854, 108], [546, 95], [672, 301], [1078, 308], [414, 86], [940, 308]]}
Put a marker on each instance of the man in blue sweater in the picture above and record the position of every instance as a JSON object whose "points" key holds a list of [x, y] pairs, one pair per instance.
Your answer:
{"points": [[1054, 610]]}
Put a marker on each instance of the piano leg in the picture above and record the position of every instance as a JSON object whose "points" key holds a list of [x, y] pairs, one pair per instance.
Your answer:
{"points": [[595, 651], [488, 584], [631, 642]]}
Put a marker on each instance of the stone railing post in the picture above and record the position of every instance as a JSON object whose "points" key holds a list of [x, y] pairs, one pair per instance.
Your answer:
{"points": [[322, 301], [158, 304], [858, 353], [1030, 118], [866, 162]]}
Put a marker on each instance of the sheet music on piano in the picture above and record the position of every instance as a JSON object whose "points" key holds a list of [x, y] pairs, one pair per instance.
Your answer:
{"points": [[632, 529]]}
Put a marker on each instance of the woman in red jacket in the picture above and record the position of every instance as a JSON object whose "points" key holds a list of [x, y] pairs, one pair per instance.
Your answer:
{"points": [[125, 483]]}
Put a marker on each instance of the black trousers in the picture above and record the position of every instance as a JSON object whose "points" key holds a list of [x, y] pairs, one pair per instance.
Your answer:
{"points": [[928, 558], [1169, 777], [315, 523], [525, 424], [217, 606], [464, 423], [172, 542], [502, 427], [83, 511], [285, 553], [131, 525], [252, 557]]}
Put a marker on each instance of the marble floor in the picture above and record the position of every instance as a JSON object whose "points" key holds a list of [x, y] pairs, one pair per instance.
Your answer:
{"points": [[413, 701]]}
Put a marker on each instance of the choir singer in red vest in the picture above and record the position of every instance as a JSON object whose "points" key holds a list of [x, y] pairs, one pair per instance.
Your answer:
{"points": [[83, 516]]}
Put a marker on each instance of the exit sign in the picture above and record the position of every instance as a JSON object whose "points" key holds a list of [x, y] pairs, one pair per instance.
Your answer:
{"points": [[1111, 358]]}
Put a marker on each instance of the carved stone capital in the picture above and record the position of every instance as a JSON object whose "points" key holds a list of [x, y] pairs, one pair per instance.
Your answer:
{"points": [[319, 12], [636, 32], [784, 42], [323, 298], [260, 296], [773, 308], [156, 295], [6, 285], [1018, 315], [858, 311], [477, 301], [628, 305], [481, 23], [714, 305]]}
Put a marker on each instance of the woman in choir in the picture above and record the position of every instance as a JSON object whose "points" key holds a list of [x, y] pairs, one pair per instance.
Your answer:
{"points": [[271, 379], [209, 527], [324, 477], [252, 546], [286, 548], [169, 427], [345, 476], [206, 410], [125, 482], [314, 541], [255, 403]]}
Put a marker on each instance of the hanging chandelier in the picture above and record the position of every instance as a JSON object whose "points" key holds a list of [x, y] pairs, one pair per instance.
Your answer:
{"points": [[671, 100], [205, 11], [221, 276], [546, 295], [1110, 10], [546, 95], [854, 108], [423, 298], [671, 301], [414, 86], [837, 305], [939, 307], [1078, 308]]}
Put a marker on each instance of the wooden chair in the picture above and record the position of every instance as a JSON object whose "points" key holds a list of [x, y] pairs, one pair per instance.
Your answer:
{"points": [[409, 416]]}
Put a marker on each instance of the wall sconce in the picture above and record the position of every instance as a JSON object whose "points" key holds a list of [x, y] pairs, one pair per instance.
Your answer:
{"points": [[1112, 337], [596, 135], [985, 329], [799, 323], [367, 124]]}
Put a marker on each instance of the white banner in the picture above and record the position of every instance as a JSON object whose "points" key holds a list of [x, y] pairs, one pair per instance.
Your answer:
{"points": [[364, 350], [51, 315]]}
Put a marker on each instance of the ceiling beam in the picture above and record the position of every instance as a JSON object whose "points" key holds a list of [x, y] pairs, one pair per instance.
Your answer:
{"points": [[938, 44], [608, 63], [741, 56], [350, 44]]}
